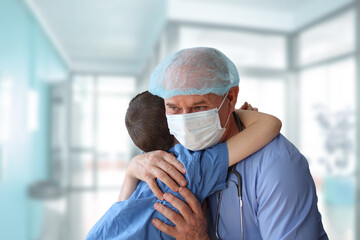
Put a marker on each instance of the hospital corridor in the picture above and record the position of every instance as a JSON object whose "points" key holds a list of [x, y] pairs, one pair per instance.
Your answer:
{"points": [[69, 68]]}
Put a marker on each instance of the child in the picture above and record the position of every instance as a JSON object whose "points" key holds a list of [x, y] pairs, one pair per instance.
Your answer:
{"points": [[206, 170]]}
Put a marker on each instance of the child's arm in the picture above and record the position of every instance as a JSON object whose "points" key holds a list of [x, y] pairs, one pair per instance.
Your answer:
{"points": [[260, 129], [128, 187]]}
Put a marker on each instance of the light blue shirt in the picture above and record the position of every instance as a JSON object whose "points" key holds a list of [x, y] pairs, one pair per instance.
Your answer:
{"points": [[279, 197], [131, 219]]}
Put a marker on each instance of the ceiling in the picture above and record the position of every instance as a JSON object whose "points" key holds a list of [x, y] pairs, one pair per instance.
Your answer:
{"points": [[117, 36]]}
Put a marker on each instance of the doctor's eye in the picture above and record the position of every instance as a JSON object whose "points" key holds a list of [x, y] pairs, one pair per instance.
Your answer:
{"points": [[199, 108], [172, 109]]}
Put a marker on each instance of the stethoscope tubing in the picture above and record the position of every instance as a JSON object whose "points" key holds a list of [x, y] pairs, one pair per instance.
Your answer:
{"points": [[231, 170]]}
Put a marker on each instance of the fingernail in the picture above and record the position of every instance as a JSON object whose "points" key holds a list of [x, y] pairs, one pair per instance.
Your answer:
{"points": [[155, 221], [183, 182], [162, 196], [156, 205]]}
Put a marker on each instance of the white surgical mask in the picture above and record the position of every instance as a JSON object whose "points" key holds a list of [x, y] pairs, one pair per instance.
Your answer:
{"points": [[199, 130]]}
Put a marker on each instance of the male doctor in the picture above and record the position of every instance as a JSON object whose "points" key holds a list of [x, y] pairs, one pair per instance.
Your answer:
{"points": [[269, 195]]}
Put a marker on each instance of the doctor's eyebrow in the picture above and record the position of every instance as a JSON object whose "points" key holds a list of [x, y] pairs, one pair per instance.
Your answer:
{"points": [[171, 105], [200, 102], [194, 104]]}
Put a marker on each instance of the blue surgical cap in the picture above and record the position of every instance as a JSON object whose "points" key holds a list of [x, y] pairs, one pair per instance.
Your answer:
{"points": [[194, 71]]}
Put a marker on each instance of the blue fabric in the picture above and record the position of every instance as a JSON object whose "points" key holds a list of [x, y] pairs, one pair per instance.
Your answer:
{"points": [[279, 197], [131, 219]]}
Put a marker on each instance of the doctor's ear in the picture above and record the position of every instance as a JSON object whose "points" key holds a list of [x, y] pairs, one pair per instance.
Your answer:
{"points": [[232, 96]]}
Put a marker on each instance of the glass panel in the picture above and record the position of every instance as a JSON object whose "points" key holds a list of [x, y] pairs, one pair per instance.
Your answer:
{"points": [[256, 92], [328, 141], [117, 85], [113, 141], [82, 112], [7, 93], [82, 169], [59, 132], [244, 49], [329, 39]]}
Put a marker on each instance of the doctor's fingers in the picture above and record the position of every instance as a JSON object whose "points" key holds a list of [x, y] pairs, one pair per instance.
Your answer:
{"points": [[171, 167], [155, 188], [163, 177], [181, 206], [164, 166], [189, 224], [192, 201], [163, 227], [170, 214], [172, 160]]}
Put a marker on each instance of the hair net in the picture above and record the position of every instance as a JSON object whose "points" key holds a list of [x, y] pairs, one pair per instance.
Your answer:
{"points": [[194, 71]]}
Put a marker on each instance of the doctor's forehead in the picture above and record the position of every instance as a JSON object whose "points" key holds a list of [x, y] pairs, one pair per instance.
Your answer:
{"points": [[211, 99]]}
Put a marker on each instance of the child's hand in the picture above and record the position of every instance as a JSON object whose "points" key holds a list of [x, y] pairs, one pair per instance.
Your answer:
{"points": [[247, 106]]}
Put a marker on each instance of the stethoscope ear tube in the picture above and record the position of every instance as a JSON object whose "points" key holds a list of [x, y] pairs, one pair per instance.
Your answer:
{"points": [[231, 170], [239, 191]]}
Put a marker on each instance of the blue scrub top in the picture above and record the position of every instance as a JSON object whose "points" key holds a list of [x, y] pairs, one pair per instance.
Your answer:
{"points": [[131, 219], [279, 197]]}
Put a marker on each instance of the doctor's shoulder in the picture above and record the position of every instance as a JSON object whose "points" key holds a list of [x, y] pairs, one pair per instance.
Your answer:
{"points": [[278, 154]]}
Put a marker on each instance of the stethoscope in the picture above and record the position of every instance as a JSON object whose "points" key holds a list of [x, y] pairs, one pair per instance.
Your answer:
{"points": [[232, 170]]}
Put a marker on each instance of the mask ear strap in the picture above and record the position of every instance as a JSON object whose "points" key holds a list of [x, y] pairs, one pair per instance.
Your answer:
{"points": [[227, 120], [223, 101]]}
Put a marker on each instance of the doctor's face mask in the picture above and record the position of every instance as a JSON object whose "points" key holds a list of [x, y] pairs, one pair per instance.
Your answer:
{"points": [[198, 130]]}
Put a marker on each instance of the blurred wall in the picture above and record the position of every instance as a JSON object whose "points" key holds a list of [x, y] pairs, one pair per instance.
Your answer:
{"points": [[28, 63]]}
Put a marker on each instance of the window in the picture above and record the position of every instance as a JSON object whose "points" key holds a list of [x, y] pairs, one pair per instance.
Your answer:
{"points": [[328, 141], [256, 92], [328, 118], [113, 146], [244, 49], [100, 146], [329, 39]]}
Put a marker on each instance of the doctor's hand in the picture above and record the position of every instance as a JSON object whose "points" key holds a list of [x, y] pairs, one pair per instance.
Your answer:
{"points": [[189, 224], [158, 165]]}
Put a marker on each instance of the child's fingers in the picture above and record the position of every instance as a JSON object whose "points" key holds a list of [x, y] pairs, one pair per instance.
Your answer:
{"points": [[244, 106]]}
